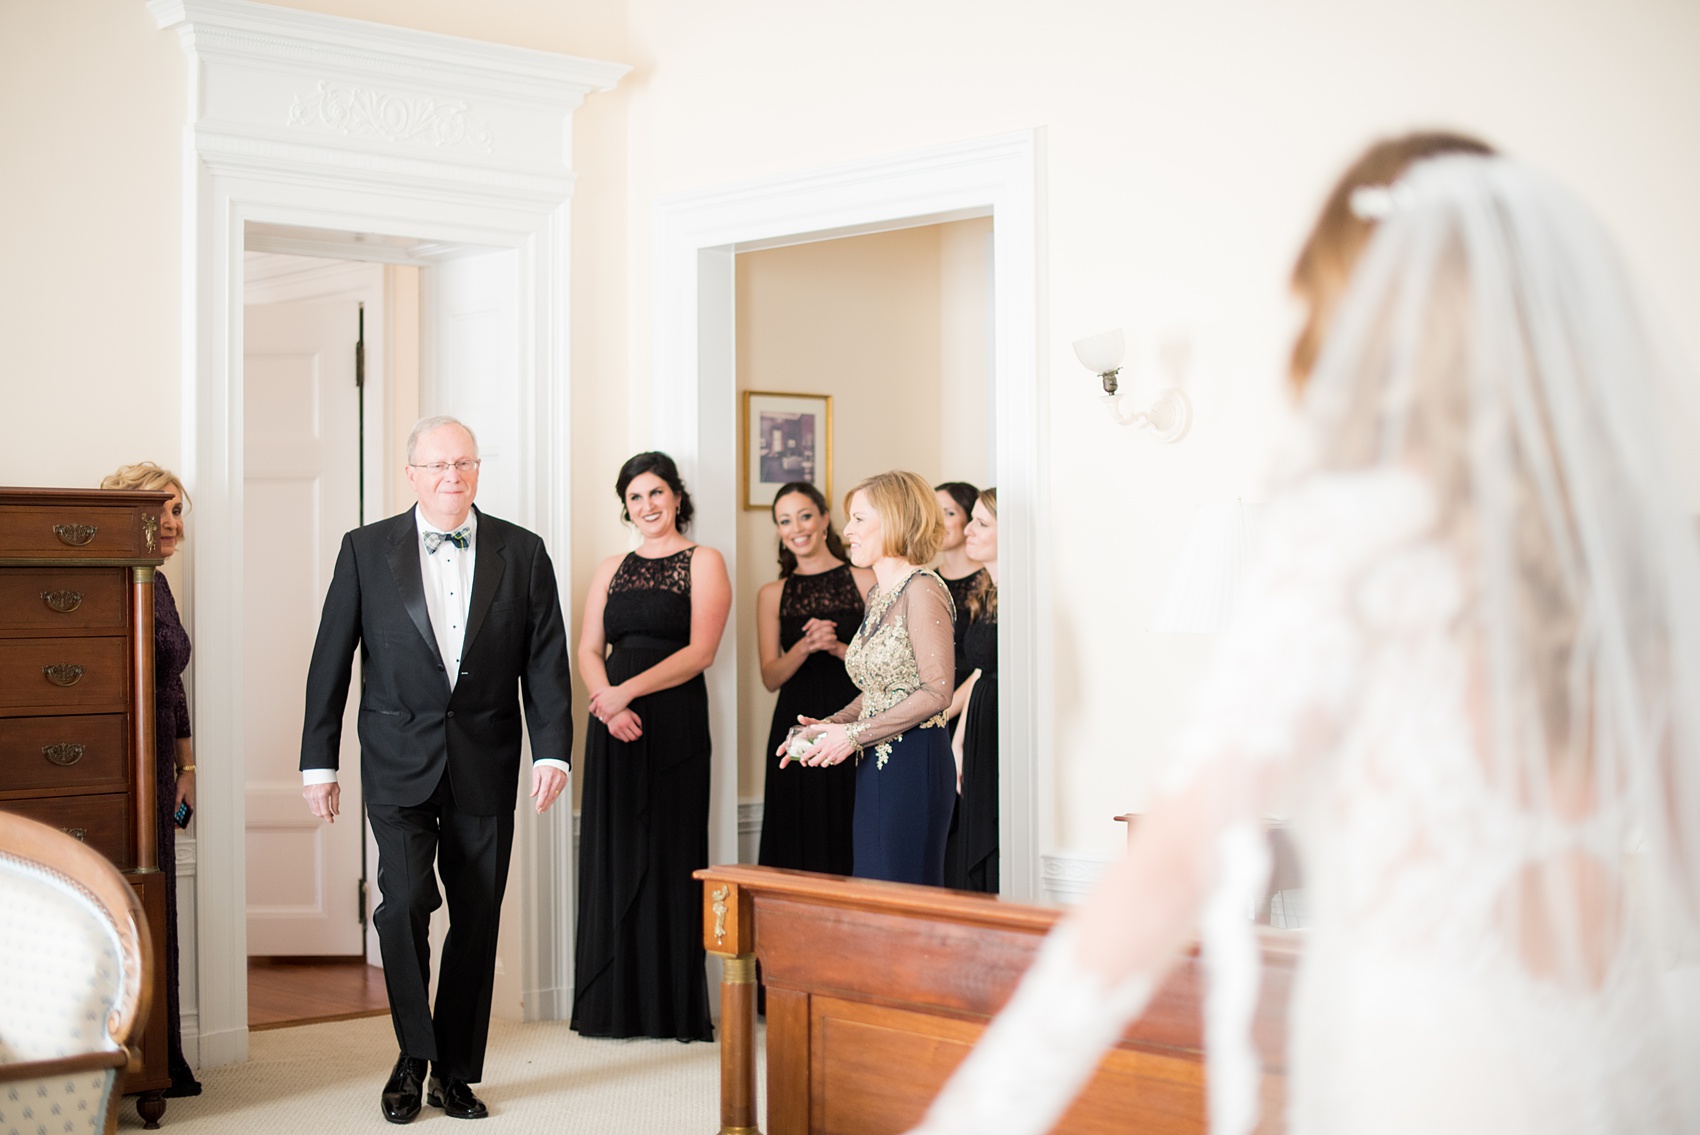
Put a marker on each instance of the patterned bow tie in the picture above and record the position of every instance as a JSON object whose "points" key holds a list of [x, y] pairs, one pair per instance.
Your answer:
{"points": [[460, 538]]}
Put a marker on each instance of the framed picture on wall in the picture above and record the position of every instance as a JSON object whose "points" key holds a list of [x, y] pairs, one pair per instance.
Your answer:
{"points": [[787, 437]]}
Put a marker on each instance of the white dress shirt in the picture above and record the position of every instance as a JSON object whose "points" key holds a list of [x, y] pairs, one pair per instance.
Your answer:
{"points": [[447, 576]]}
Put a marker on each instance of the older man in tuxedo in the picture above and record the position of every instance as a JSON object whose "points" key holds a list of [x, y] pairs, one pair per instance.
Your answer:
{"points": [[454, 612]]}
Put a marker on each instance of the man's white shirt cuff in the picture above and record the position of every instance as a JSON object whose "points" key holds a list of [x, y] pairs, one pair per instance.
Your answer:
{"points": [[318, 776], [551, 762]]}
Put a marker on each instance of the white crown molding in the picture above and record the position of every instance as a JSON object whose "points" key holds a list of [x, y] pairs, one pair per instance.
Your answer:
{"points": [[361, 53], [277, 90]]}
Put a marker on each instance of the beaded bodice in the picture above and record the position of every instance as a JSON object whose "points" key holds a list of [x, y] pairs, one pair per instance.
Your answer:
{"points": [[650, 597], [903, 659]]}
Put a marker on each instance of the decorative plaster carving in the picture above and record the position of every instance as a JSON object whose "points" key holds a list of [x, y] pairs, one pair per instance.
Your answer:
{"points": [[357, 112]]}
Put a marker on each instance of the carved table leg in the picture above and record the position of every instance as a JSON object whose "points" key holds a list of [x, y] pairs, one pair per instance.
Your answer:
{"points": [[151, 1106], [738, 1045]]}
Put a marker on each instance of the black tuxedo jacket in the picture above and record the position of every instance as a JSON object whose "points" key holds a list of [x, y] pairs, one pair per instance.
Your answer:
{"points": [[412, 724]]}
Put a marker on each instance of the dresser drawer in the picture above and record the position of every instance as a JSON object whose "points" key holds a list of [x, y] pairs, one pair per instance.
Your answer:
{"points": [[102, 822], [74, 530], [47, 601], [43, 754], [65, 673]]}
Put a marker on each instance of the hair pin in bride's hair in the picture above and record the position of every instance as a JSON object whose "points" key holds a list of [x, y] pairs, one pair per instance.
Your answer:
{"points": [[1378, 202]]}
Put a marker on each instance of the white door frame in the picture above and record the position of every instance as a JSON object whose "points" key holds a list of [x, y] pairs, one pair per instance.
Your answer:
{"points": [[695, 412], [296, 118]]}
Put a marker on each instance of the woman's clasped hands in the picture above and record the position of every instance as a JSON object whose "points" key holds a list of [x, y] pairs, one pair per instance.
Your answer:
{"points": [[822, 635], [609, 705], [831, 744]]}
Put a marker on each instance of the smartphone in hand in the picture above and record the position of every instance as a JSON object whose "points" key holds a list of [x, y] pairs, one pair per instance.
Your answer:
{"points": [[182, 814]]}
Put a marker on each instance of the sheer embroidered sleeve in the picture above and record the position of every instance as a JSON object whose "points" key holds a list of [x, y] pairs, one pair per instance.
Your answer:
{"points": [[908, 662]]}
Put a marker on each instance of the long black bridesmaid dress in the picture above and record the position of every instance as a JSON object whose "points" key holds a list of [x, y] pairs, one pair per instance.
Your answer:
{"points": [[807, 814], [959, 590], [644, 828], [974, 864]]}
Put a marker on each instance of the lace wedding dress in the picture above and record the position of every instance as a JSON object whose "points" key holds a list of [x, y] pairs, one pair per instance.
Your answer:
{"points": [[1467, 667]]}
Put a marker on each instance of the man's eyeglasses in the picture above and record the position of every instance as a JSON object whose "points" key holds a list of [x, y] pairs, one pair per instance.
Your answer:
{"points": [[437, 468]]}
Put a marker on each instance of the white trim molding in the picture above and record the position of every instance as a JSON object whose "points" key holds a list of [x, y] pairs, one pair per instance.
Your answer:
{"points": [[697, 236], [300, 119], [1069, 877]]}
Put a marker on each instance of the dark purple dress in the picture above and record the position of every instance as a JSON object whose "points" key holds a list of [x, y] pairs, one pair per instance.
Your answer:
{"points": [[170, 659]]}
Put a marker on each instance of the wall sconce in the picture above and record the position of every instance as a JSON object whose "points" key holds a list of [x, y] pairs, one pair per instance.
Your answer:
{"points": [[1169, 417]]}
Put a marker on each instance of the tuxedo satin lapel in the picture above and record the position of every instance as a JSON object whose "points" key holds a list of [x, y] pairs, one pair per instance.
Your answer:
{"points": [[487, 573], [404, 564]]}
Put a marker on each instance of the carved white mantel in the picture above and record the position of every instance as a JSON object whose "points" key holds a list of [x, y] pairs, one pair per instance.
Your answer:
{"points": [[297, 118]]}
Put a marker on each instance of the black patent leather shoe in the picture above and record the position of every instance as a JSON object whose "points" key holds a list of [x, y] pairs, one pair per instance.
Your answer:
{"points": [[455, 1097], [402, 1092]]}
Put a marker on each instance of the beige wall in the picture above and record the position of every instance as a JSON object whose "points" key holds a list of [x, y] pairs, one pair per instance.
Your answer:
{"points": [[1185, 148], [863, 319]]}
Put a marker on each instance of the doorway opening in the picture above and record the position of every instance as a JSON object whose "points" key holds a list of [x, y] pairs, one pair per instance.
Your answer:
{"points": [[345, 336], [895, 328], [695, 411]]}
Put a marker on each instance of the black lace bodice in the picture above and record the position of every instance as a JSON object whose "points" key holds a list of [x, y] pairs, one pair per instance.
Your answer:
{"points": [[650, 598], [959, 589], [831, 595]]}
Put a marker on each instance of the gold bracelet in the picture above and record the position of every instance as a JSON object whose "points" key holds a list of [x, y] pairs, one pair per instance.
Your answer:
{"points": [[181, 769]]}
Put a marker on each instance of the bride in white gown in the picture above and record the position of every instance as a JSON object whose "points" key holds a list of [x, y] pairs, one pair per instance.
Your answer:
{"points": [[1467, 666]]}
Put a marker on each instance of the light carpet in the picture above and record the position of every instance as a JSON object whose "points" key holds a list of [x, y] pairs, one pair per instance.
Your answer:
{"points": [[537, 1078]]}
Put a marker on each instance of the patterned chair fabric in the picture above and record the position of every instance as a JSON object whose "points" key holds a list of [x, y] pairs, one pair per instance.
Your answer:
{"points": [[74, 969]]}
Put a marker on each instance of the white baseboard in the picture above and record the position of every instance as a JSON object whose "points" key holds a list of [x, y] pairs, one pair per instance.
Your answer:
{"points": [[749, 830], [1068, 877], [228, 1046]]}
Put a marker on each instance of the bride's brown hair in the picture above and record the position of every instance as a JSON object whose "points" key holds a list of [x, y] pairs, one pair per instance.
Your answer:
{"points": [[1331, 251]]}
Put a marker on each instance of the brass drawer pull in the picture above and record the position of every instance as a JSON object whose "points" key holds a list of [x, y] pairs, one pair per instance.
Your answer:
{"points": [[63, 673], [76, 833], [76, 535], [64, 755], [63, 601]]}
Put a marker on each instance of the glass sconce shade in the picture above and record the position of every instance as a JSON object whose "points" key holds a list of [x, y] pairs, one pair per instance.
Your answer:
{"points": [[1101, 354]]}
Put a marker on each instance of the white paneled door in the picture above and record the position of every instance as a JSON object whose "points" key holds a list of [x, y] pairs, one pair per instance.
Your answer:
{"points": [[301, 478]]}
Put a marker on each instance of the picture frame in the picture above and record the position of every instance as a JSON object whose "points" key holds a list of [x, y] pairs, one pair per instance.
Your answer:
{"points": [[785, 437]]}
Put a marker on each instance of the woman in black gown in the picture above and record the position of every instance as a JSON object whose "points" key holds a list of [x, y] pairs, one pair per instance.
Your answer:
{"points": [[644, 827], [174, 754], [958, 568], [974, 864], [804, 620]]}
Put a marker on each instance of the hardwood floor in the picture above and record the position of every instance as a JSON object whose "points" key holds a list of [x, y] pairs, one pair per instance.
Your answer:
{"points": [[301, 991]]}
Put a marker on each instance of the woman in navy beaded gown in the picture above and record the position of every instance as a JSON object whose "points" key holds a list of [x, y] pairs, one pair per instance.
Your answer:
{"points": [[804, 621], [174, 754], [652, 624], [903, 660]]}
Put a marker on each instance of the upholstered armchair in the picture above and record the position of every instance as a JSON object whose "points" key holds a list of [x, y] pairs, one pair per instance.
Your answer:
{"points": [[74, 959]]}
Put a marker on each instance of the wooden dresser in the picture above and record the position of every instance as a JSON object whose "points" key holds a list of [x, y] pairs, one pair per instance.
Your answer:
{"points": [[77, 698]]}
